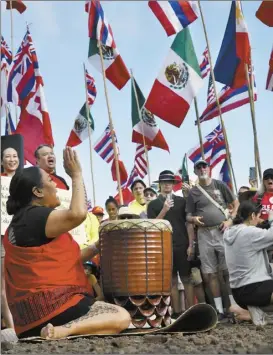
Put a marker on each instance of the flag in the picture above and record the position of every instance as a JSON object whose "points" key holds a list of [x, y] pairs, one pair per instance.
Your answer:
{"points": [[91, 88], [34, 125], [229, 99], [6, 60], [146, 126], [100, 31], [265, 13], [177, 83], [224, 174], [174, 15], [122, 171], [181, 175], [24, 77], [235, 50], [127, 196], [213, 146], [80, 129], [17, 5], [104, 146], [269, 81], [210, 93], [141, 164], [98, 26], [204, 65], [9, 124]]}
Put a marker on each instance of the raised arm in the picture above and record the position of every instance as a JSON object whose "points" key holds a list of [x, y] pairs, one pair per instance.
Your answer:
{"points": [[61, 221]]}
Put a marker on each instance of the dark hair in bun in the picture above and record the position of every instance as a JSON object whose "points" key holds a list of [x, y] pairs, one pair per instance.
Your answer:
{"points": [[111, 200], [245, 210], [21, 186]]}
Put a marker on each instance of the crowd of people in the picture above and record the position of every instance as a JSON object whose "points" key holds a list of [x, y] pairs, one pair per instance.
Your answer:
{"points": [[222, 247]]}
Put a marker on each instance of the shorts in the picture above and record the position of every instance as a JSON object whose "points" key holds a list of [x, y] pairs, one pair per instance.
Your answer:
{"points": [[180, 262], [257, 294], [72, 313], [211, 249]]}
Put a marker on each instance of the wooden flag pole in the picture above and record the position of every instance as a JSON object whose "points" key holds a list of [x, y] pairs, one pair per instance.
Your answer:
{"points": [[143, 137], [199, 128], [230, 167], [87, 108], [12, 50], [252, 110], [111, 125]]}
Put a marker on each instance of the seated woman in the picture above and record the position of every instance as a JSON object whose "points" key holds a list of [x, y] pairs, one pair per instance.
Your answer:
{"points": [[250, 273], [47, 290], [10, 163]]}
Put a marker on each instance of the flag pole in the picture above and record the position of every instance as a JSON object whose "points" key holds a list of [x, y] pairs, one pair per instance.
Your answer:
{"points": [[252, 110], [230, 167], [12, 49], [111, 125], [140, 118], [199, 128], [7, 118], [87, 109]]}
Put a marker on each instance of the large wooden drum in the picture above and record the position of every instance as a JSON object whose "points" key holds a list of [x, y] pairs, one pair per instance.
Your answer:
{"points": [[136, 268]]}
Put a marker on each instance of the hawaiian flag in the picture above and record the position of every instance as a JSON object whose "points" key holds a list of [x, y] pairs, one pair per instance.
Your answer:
{"points": [[235, 50], [9, 129], [269, 81], [91, 88], [98, 25], [174, 15], [229, 99], [213, 146], [104, 146], [204, 65], [6, 60], [24, 76], [224, 174], [210, 94], [16, 4]]}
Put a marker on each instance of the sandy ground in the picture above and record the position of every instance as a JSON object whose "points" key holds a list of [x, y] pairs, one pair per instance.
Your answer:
{"points": [[224, 339]]}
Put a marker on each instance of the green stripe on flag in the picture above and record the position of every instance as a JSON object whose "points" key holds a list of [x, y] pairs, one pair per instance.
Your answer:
{"points": [[90, 117], [183, 46], [141, 101], [93, 48]]}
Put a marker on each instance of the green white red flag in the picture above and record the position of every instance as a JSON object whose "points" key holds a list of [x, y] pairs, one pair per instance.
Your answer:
{"points": [[146, 125], [177, 83]]}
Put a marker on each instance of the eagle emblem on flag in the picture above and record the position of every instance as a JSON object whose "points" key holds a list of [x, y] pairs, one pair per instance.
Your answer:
{"points": [[80, 124], [148, 117], [107, 52], [177, 75]]}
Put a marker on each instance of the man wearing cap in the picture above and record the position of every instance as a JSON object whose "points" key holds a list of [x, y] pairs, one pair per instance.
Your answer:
{"points": [[173, 208], [98, 212], [149, 194], [138, 205], [207, 209]]}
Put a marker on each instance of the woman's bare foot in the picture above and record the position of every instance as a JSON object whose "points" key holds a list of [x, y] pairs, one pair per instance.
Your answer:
{"points": [[240, 313], [47, 332]]}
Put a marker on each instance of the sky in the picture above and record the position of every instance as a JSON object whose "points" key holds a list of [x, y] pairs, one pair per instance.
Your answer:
{"points": [[60, 35]]}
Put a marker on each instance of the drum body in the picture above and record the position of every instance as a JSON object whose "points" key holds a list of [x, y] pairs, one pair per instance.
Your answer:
{"points": [[136, 268]]}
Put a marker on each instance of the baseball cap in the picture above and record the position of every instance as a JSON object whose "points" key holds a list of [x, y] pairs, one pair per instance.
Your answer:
{"points": [[97, 210], [268, 172], [201, 161]]}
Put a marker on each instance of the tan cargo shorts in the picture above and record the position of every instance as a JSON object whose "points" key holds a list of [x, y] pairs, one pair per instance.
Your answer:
{"points": [[211, 249]]}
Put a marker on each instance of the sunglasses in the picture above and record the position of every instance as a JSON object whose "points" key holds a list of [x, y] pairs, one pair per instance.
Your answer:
{"points": [[201, 166], [149, 194], [268, 177]]}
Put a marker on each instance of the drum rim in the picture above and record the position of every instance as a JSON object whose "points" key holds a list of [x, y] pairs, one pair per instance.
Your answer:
{"points": [[154, 224]]}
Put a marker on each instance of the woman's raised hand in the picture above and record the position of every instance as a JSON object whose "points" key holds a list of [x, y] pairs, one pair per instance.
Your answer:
{"points": [[71, 162]]}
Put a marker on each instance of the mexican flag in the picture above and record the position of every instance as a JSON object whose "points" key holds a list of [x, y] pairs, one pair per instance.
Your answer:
{"points": [[182, 174], [79, 131], [177, 83], [115, 69], [146, 125]]}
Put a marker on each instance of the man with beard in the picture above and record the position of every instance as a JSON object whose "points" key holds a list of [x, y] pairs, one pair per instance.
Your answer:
{"points": [[46, 160], [207, 209]]}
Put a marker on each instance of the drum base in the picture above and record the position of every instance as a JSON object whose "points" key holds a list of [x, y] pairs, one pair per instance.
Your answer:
{"points": [[152, 311]]}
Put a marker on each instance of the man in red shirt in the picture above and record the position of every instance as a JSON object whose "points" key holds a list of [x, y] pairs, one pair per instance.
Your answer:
{"points": [[265, 194], [46, 160]]}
